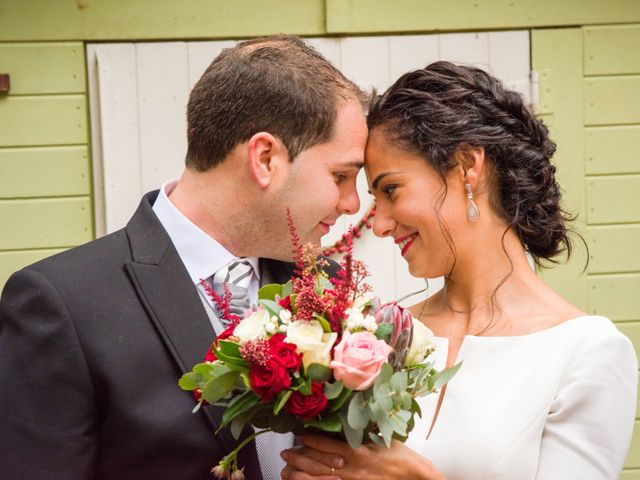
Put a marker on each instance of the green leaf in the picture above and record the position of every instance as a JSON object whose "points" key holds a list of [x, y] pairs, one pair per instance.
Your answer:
{"points": [[358, 413], [327, 423], [219, 387], [333, 390], [283, 423], [398, 381], [287, 288], [238, 406], [272, 307], [385, 374], [283, 397], [229, 348], [398, 424], [318, 372], [305, 388], [384, 331], [325, 283], [376, 439], [342, 398], [230, 360], [269, 292], [190, 381], [445, 375], [326, 326], [353, 435]]}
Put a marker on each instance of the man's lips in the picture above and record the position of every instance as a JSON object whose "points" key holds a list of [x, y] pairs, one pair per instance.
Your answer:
{"points": [[326, 226], [405, 242]]}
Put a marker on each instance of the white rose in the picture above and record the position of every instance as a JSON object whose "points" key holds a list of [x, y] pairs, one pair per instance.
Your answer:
{"points": [[253, 327], [312, 341], [422, 344]]}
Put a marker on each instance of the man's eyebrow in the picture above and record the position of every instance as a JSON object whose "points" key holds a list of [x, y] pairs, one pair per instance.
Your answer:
{"points": [[354, 164]]}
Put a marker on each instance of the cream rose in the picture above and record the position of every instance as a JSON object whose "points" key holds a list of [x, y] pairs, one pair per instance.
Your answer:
{"points": [[312, 341], [253, 327], [421, 345]]}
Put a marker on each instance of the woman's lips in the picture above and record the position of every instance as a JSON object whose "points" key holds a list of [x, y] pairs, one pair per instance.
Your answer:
{"points": [[405, 242]]}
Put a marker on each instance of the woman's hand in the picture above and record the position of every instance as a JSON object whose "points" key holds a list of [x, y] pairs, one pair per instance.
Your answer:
{"points": [[323, 458]]}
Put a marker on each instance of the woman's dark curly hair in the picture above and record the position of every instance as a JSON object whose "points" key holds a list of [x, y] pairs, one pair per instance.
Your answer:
{"points": [[438, 110]]}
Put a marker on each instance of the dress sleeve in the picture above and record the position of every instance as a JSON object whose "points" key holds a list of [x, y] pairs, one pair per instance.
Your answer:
{"points": [[590, 423], [47, 401]]}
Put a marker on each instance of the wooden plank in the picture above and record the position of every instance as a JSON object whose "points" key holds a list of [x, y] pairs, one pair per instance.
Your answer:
{"points": [[365, 60], [610, 50], [120, 142], [466, 48], [631, 330], [13, 261], [410, 52], [367, 16], [47, 223], [615, 296], [633, 457], [612, 149], [43, 120], [614, 248], [630, 475], [509, 59], [44, 172], [612, 100], [609, 199], [557, 55], [200, 56], [157, 19], [44, 67], [163, 90]]}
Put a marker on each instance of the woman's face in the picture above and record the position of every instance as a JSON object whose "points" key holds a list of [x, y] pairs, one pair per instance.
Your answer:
{"points": [[412, 206]]}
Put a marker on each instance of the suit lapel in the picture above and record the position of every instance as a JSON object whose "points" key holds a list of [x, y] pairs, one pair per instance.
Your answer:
{"points": [[172, 303]]}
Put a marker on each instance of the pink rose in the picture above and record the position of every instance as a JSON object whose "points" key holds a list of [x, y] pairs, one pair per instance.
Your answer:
{"points": [[357, 359]]}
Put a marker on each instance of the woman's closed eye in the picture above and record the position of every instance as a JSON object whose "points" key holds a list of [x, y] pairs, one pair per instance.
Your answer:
{"points": [[389, 190]]}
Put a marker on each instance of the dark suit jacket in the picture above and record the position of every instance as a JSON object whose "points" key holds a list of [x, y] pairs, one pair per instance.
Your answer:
{"points": [[92, 344]]}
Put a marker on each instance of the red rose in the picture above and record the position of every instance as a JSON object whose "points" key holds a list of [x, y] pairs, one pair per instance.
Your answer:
{"points": [[228, 332], [285, 302], [286, 354], [270, 380], [308, 406]]}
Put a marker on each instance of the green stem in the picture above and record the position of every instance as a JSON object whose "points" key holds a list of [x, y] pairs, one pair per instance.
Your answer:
{"points": [[234, 453]]}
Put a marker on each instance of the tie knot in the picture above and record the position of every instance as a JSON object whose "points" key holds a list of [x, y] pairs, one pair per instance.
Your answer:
{"points": [[238, 272]]}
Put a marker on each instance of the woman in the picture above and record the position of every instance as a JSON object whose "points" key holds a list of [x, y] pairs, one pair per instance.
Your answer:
{"points": [[462, 177]]}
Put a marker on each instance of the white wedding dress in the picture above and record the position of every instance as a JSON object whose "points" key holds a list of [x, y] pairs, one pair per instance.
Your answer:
{"points": [[558, 404]]}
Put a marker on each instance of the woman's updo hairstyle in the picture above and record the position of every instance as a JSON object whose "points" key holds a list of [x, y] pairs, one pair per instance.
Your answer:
{"points": [[437, 110]]}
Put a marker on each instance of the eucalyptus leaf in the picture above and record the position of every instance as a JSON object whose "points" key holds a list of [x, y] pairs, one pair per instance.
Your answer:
{"points": [[345, 394], [327, 423], [219, 387], [325, 283], [446, 375], [353, 435], [272, 307], [333, 390], [190, 381], [319, 372], [358, 413], [398, 381], [269, 292], [383, 397], [398, 424], [385, 374], [287, 288]]}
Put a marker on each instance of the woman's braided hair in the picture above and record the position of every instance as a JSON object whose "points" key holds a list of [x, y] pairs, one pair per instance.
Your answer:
{"points": [[437, 110]]}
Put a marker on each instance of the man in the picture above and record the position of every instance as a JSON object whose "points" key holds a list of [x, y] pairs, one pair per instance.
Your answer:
{"points": [[94, 340]]}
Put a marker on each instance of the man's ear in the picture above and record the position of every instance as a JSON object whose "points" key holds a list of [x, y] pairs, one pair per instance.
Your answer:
{"points": [[266, 157], [470, 164]]}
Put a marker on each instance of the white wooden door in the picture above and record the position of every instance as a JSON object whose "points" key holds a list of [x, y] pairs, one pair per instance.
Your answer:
{"points": [[139, 91]]}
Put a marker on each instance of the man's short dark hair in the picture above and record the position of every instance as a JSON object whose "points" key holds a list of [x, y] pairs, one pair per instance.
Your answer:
{"points": [[277, 84]]}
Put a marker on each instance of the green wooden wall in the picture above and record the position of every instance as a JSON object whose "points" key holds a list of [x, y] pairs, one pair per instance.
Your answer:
{"points": [[585, 51], [45, 178], [590, 96]]}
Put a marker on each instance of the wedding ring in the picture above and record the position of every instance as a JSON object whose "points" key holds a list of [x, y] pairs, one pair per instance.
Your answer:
{"points": [[333, 471]]}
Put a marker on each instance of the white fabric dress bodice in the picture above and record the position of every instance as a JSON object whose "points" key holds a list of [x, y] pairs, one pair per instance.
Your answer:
{"points": [[555, 404]]}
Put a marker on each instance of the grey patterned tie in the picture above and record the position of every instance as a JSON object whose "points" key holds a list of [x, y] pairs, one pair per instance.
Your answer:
{"points": [[237, 276]]}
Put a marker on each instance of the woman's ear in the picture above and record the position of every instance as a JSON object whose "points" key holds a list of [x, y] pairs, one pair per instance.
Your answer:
{"points": [[471, 165], [266, 158]]}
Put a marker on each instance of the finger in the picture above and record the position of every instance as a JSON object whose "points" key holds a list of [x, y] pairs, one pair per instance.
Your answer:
{"points": [[311, 461], [298, 475], [324, 444]]}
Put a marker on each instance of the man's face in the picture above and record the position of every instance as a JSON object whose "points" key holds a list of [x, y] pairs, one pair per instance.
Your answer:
{"points": [[321, 183]]}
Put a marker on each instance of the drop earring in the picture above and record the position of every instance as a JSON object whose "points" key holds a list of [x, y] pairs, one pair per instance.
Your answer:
{"points": [[472, 212]]}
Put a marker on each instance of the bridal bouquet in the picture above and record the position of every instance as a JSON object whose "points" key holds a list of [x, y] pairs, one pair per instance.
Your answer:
{"points": [[317, 353]]}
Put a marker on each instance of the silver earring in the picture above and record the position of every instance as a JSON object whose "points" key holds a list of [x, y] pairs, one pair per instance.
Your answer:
{"points": [[472, 212]]}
